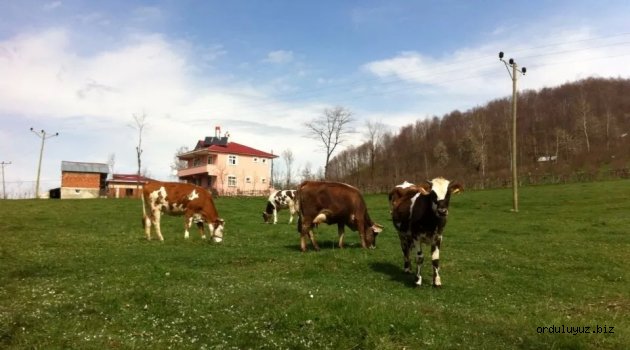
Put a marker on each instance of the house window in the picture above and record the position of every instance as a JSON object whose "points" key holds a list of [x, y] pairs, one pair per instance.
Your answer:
{"points": [[210, 160], [263, 180], [255, 160], [128, 192], [248, 180], [232, 160], [264, 160], [231, 181], [196, 162]]}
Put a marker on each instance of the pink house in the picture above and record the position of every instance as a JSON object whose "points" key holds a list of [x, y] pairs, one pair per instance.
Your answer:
{"points": [[229, 168]]}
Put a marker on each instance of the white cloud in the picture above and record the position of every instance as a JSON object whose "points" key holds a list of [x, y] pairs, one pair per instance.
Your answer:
{"points": [[279, 57]]}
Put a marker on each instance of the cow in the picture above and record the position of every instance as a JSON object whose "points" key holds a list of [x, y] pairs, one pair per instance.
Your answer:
{"points": [[193, 202], [419, 215], [334, 203], [280, 200]]}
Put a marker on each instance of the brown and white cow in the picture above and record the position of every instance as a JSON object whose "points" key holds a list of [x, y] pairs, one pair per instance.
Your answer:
{"points": [[193, 202], [419, 215], [334, 203], [284, 199]]}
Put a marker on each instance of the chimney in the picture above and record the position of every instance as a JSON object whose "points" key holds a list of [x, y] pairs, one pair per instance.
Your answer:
{"points": [[217, 131]]}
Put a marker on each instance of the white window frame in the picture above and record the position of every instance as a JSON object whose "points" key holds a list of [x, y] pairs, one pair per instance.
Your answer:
{"points": [[255, 159], [232, 183], [233, 158], [263, 180], [248, 180]]}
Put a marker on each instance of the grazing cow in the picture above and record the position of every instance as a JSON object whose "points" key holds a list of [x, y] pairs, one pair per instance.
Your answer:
{"points": [[334, 203], [419, 214], [280, 200], [175, 198]]}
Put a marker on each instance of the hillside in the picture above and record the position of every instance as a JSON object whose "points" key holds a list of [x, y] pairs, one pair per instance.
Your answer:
{"points": [[577, 131]]}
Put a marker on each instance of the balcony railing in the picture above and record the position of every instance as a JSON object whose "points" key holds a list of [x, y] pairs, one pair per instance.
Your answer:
{"points": [[201, 169]]}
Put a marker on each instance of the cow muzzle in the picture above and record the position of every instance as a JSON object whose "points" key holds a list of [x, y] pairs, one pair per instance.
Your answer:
{"points": [[442, 211]]}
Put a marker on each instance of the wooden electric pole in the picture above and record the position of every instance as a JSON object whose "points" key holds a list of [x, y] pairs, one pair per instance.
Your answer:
{"points": [[514, 76], [43, 136]]}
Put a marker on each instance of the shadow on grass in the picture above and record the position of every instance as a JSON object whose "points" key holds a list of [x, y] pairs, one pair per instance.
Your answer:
{"points": [[394, 272], [324, 245]]}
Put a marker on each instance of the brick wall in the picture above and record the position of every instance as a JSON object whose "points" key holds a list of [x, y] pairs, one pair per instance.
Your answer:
{"points": [[81, 180]]}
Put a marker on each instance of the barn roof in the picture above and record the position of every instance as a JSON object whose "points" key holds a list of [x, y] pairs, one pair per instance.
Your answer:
{"points": [[81, 167]]}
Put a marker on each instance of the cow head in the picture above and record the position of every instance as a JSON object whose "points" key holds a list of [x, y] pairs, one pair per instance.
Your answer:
{"points": [[440, 190], [370, 234], [268, 213], [216, 230]]}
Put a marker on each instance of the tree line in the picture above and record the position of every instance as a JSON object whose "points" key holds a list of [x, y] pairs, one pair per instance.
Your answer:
{"points": [[574, 132]]}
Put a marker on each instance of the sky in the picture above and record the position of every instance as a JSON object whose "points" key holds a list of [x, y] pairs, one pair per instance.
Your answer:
{"points": [[261, 69]]}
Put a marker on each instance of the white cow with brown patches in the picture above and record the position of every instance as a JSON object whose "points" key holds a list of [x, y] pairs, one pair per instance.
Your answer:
{"points": [[419, 214], [193, 202]]}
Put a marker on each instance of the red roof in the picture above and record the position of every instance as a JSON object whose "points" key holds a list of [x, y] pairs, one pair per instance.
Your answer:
{"points": [[237, 148]]}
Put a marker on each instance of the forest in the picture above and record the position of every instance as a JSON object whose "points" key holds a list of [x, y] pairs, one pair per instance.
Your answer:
{"points": [[574, 132]]}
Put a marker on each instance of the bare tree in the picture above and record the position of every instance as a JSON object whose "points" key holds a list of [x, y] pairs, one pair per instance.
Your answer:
{"points": [[111, 161], [287, 156], [178, 163], [140, 123], [373, 134], [332, 128], [307, 173], [584, 111]]}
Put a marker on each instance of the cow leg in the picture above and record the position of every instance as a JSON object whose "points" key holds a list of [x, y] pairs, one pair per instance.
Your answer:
{"points": [[435, 260], [275, 216], [188, 220], [202, 232], [405, 245], [341, 232], [156, 222], [311, 235], [147, 227], [291, 212], [419, 262], [306, 230]]}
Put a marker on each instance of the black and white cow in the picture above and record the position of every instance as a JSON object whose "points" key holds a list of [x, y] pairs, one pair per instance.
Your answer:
{"points": [[419, 214], [284, 199]]}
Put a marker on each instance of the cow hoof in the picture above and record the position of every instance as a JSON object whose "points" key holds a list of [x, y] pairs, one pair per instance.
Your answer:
{"points": [[419, 282]]}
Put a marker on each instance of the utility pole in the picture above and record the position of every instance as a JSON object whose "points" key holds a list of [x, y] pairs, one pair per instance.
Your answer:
{"points": [[43, 136], [513, 74], [4, 191]]}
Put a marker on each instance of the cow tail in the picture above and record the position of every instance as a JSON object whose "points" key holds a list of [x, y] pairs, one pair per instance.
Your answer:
{"points": [[144, 211]]}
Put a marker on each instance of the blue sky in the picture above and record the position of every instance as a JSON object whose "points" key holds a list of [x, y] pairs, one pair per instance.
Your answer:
{"points": [[260, 69]]}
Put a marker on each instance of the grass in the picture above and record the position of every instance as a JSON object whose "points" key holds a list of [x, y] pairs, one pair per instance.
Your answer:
{"points": [[79, 274]]}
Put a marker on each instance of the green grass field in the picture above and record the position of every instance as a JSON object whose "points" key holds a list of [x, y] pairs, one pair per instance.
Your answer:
{"points": [[78, 274]]}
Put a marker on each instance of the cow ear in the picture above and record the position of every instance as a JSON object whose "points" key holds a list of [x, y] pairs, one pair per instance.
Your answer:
{"points": [[456, 188]]}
